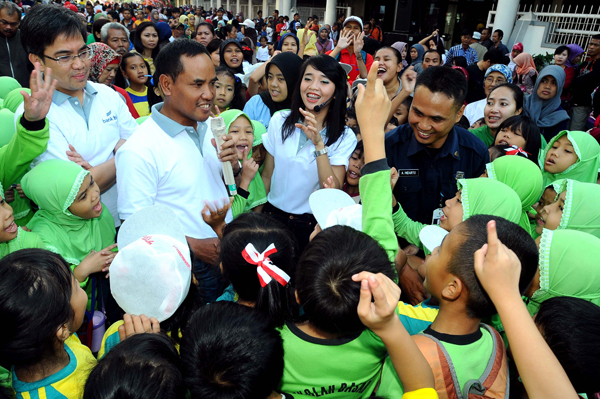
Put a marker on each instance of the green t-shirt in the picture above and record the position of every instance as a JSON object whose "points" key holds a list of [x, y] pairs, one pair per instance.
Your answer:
{"points": [[485, 134], [347, 367], [469, 353]]}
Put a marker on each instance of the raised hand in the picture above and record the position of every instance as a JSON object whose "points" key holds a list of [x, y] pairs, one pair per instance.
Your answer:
{"points": [[359, 43], [133, 324], [74, 156], [378, 314], [372, 103], [497, 267], [249, 170], [214, 212], [310, 127], [37, 104], [409, 79], [345, 39]]}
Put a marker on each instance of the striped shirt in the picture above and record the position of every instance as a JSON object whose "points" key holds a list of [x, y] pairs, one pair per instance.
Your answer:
{"points": [[140, 101], [458, 51]]}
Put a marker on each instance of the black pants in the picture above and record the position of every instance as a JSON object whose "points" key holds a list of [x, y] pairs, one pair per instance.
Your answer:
{"points": [[301, 225]]}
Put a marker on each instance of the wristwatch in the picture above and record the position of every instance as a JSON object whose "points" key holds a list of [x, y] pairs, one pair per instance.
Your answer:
{"points": [[325, 150]]}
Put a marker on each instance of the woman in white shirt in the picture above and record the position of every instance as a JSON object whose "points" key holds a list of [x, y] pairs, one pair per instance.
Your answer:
{"points": [[308, 144]]}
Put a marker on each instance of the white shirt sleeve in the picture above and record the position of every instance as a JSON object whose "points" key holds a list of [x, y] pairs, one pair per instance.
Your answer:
{"points": [[342, 149], [137, 181], [270, 138], [127, 125]]}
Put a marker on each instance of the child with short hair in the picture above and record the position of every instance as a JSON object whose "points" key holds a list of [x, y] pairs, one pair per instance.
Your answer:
{"points": [[232, 351], [522, 132], [37, 343], [137, 71], [355, 164], [469, 345], [262, 52], [571, 155], [142, 366]]}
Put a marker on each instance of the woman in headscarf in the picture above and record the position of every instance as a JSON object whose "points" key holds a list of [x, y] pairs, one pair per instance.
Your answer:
{"points": [[524, 177], [71, 220], [154, 16], [104, 68], [288, 43], [324, 43], [281, 74], [525, 74], [568, 267], [516, 50], [417, 52], [495, 75], [401, 47], [543, 104], [164, 34], [574, 55]]}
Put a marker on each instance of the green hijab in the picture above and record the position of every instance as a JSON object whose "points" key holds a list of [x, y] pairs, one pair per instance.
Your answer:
{"points": [[7, 126], [53, 186], [489, 197], [257, 192], [524, 177], [582, 206], [585, 169], [14, 99], [568, 267], [8, 84]]}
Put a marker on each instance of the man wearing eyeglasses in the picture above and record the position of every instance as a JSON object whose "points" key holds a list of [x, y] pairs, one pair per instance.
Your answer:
{"points": [[13, 58], [88, 121]]}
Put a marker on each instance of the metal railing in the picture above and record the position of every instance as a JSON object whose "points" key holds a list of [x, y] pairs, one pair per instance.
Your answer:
{"points": [[569, 24]]}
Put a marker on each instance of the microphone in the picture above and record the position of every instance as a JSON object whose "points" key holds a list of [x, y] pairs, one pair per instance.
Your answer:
{"points": [[319, 107], [219, 130]]}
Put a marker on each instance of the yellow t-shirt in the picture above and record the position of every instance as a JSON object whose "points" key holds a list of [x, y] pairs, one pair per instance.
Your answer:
{"points": [[66, 383], [111, 339], [311, 47]]}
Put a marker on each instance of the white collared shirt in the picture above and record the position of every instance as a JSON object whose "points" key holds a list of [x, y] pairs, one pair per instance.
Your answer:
{"points": [[161, 164], [93, 129], [295, 176]]}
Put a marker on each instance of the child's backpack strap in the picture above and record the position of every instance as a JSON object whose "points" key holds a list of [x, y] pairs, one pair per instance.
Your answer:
{"points": [[444, 375], [494, 382]]}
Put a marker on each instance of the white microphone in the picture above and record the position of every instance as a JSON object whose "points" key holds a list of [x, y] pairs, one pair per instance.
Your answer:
{"points": [[219, 130]]}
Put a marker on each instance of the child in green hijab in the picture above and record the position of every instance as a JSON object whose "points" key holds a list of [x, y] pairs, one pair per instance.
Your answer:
{"points": [[71, 221], [14, 99], [251, 191], [524, 177], [8, 84], [571, 155], [568, 267], [474, 197], [576, 207]]}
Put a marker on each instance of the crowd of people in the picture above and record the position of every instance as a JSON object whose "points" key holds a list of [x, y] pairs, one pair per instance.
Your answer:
{"points": [[403, 221]]}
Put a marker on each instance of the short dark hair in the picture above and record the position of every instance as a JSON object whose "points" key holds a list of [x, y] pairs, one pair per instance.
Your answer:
{"points": [[448, 81], [274, 299], [231, 351], [366, 23], [460, 61], [500, 33], [571, 328], [169, 62], [360, 148], [28, 278], [324, 283], [10, 8], [561, 49], [466, 32], [596, 36], [277, 11], [44, 23], [142, 366], [430, 51], [488, 29], [494, 56], [214, 45], [530, 132], [474, 231], [208, 25]]}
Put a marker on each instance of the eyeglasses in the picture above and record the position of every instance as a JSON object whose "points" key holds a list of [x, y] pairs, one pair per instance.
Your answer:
{"points": [[11, 24], [497, 81], [69, 59]]}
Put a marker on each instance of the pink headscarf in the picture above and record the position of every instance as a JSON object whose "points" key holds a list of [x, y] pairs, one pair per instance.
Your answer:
{"points": [[525, 64], [518, 47]]}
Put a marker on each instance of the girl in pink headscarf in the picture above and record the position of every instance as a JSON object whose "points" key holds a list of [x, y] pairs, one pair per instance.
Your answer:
{"points": [[525, 73]]}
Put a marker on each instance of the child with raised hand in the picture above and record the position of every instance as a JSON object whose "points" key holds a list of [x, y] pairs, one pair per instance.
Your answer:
{"points": [[251, 190], [42, 305], [71, 221], [470, 346], [524, 177], [152, 275], [499, 271], [332, 352], [576, 207], [567, 267], [232, 351], [143, 366], [571, 155], [257, 258], [380, 317], [28, 142]]}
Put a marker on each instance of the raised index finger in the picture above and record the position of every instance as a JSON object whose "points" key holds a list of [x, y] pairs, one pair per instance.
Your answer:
{"points": [[372, 77], [493, 242]]}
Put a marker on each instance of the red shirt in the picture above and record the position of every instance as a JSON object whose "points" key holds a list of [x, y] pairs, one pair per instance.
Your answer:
{"points": [[350, 59]]}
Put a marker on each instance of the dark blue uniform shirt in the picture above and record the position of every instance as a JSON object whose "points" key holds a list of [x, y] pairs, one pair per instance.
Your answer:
{"points": [[427, 177]]}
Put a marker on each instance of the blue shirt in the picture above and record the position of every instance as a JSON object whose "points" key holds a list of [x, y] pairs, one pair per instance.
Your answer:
{"points": [[427, 177], [257, 110], [458, 51]]}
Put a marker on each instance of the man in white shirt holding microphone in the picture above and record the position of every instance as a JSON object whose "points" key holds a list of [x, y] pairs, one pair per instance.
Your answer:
{"points": [[171, 159]]}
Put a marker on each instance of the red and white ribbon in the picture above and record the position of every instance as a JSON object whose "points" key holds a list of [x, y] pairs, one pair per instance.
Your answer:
{"points": [[266, 270], [514, 150]]}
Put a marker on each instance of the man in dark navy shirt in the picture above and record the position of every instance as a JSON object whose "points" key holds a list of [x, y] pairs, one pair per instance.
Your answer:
{"points": [[431, 153]]}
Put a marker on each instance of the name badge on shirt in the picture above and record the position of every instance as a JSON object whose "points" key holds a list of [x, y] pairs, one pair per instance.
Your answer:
{"points": [[408, 173], [437, 215]]}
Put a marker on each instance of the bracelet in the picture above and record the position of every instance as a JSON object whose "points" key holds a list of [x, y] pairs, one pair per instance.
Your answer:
{"points": [[239, 171], [318, 153]]}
